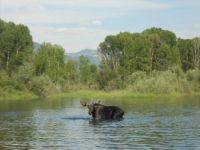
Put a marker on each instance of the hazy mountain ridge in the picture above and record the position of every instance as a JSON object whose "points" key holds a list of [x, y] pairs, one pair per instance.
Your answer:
{"points": [[91, 54], [36, 45]]}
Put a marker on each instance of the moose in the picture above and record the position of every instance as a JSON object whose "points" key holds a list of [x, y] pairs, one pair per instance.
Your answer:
{"points": [[99, 111]]}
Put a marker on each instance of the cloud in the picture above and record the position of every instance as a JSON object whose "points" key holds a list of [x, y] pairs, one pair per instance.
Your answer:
{"points": [[92, 23], [72, 39], [68, 22], [71, 11]]}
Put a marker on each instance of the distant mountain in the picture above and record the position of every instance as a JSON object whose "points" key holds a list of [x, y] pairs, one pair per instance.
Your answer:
{"points": [[36, 45], [91, 54]]}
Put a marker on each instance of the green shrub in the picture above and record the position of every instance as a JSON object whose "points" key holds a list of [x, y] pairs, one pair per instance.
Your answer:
{"points": [[3, 75], [139, 75], [193, 75], [159, 82], [42, 86], [25, 73], [114, 84], [177, 70], [9, 84]]}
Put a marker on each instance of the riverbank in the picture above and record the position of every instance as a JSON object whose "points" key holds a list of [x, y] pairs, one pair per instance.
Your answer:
{"points": [[117, 94], [18, 96], [92, 94]]}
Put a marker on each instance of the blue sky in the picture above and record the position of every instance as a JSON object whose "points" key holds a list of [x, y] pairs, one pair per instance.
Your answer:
{"points": [[80, 24]]}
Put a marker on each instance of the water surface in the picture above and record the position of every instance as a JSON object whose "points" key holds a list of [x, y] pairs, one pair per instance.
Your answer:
{"points": [[64, 124]]}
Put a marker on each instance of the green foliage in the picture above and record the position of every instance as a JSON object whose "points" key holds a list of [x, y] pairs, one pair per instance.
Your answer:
{"points": [[49, 59], [126, 53], [157, 82], [105, 75], [93, 77], [196, 53], [190, 53], [42, 85], [71, 72], [162, 60], [9, 84], [84, 67], [88, 72], [114, 84], [185, 53], [153, 61], [16, 45], [136, 76], [164, 51], [177, 70], [193, 77], [25, 73]]}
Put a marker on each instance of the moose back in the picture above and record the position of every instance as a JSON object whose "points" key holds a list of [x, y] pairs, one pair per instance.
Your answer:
{"points": [[99, 111]]}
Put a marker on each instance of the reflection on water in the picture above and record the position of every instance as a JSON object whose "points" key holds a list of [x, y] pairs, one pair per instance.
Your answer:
{"points": [[64, 124]]}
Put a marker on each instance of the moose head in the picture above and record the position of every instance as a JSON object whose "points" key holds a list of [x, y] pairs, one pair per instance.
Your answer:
{"points": [[99, 111], [91, 107]]}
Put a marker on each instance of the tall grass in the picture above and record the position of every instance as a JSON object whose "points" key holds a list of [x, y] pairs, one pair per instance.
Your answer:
{"points": [[161, 82], [140, 84], [16, 95], [116, 94]]}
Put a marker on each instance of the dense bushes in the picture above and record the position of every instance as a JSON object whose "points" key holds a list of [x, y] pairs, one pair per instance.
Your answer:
{"points": [[157, 82], [162, 82], [146, 62], [193, 77], [42, 86]]}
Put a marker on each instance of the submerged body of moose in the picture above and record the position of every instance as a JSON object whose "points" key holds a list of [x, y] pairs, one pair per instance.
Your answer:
{"points": [[99, 111]]}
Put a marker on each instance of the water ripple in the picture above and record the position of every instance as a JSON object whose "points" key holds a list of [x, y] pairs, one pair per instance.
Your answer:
{"points": [[70, 127]]}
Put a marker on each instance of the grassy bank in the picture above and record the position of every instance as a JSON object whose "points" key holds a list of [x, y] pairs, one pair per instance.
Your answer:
{"points": [[18, 96], [92, 94], [118, 94]]}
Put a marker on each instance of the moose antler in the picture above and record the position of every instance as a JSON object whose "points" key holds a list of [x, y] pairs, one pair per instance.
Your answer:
{"points": [[83, 103], [97, 102]]}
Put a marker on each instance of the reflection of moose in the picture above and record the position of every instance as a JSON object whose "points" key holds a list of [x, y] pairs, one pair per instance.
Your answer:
{"points": [[99, 111]]}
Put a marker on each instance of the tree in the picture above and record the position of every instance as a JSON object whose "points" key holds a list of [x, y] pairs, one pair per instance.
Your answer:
{"points": [[164, 51], [189, 53], [105, 75], [196, 53], [162, 60], [126, 52], [16, 45], [49, 59], [71, 71], [84, 68], [184, 46], [110, 52]]}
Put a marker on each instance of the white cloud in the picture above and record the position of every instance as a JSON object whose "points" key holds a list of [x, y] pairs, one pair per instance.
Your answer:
{"points": [[191, 33], [72, 39], [91, 23], [68, 22], [96, 22], [70, 11]]}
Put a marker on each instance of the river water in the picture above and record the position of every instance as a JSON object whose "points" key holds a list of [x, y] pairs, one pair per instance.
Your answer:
{"points": [[160, 123]]}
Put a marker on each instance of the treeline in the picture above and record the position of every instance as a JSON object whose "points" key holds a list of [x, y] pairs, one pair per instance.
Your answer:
{"points": [[152, 61], [153, 50]]}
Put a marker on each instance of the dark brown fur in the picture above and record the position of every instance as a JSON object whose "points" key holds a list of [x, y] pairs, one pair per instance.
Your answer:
{"points": [[99, 111]]}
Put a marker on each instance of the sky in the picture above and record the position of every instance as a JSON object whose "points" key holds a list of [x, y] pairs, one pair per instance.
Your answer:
{"points": [[83, 24]]}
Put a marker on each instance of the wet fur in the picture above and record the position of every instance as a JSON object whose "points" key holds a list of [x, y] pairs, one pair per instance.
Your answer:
{"points": [[99, 111]]}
